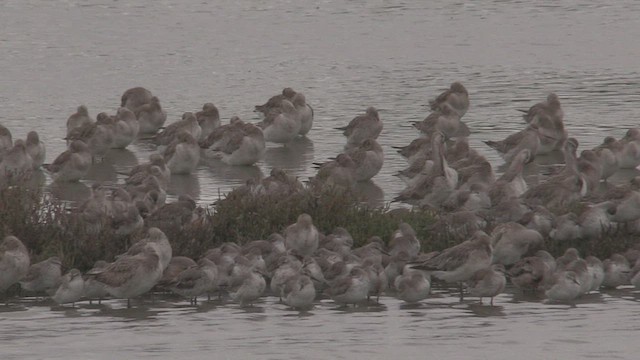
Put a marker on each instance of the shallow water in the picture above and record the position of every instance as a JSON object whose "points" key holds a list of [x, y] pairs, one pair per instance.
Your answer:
{"points": [[344, 56], [596, 326]]}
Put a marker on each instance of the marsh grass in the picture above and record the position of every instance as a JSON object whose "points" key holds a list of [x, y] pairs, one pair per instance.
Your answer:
{"points": [[49, 227]]}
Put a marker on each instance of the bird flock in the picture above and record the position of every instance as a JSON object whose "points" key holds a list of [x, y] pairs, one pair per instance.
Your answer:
{"points": [[501, 223]]}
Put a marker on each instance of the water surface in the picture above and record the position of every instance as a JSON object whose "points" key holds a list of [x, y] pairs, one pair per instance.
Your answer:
{"points": [[345, 56]]}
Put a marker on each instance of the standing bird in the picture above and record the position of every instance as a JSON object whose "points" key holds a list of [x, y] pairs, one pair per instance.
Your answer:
{"points": [[456, 96], [362, 127], [78, 119], [404, 240], [299, 292], [412, 286], [72, 165], [302, 237], [252, 285], [35, 149], [209, 119], [14, 262], [460, 263], [368, 158], [131, 275], [150, 116], [98, 136], [135, 97], [274, 102], [196, 281], [188, 123], [183, 154], [15, 165], [350, 289], [550, 107], [43, 276], [71, 288], [281, 127], [6, 141], [564, 287], [487, 282], [305, 113], [125, 128]]}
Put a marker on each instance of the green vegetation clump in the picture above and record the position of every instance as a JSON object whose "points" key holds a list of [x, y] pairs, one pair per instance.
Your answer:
{"points": [[50, 227]]}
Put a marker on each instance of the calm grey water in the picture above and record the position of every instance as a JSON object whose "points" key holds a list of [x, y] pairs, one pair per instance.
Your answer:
{"points": [[344, 56]]}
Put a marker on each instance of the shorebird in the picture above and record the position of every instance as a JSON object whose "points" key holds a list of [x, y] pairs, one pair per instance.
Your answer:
{"points": [[510, 147], [350, 289], [175, 215], [583, 276], [274, 102], [629, 157], [412, 286], [125, 129], [156, 240], [339, 241], [456, 97], [533, 272], [196, 281], [183, 154], [125, 216], [338, 173], [35, 149], [44, 276], [551, 132], [362, 127], [14, 262], [404, 240], [435, 184], [208, 118], [305, 113], [561, 189], [511, 241], [177, 264], [241, 145], [444, 120], [131, 275], [564, 287], [6, 140], [98, 135], [596, 272], [16, 165], [138, 173], [487, 282], [72, 165], [71, 288], [188, 123], [416, 147], [285, 268], [616, 271], [92, 288], [459, 263], [278, 183], [551, 107], [299, 292], [281, 127], [78, 119], [150, 116], [251, 288], [302, 237], [378, 280], [609, 154], [368, 158], [135, 97]]}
